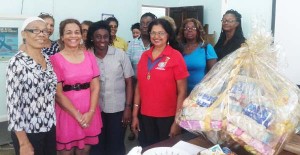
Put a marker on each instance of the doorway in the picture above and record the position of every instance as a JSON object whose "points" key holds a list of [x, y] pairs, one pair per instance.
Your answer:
{"points": [[179, 14]]}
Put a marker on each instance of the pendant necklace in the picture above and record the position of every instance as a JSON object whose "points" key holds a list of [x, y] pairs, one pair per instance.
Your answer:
{"points": [[151, 65]]}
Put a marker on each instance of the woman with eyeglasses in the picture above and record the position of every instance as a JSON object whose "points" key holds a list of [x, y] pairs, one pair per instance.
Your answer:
{"points": [[198, 55], [161, 86], [118, 42], [30, 90], [77, 110], [231, 36], [51, 47]]}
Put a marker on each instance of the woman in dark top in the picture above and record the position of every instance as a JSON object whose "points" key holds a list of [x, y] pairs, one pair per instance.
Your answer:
{"points": [[231, 36]]}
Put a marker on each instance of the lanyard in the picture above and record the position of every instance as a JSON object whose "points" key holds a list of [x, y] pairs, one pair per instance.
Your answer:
{"points": [[151, 65]]}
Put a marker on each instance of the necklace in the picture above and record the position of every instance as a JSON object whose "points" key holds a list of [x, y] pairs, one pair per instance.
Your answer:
{"points": [[188, 48], [191, 46]]}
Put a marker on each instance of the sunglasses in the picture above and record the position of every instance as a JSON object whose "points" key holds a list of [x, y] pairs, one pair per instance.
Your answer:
{"points": [[45, 14]]}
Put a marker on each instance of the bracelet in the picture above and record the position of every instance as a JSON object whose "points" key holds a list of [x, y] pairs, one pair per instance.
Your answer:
{"points": [[128, 105], [92, 111], [136, 105]]}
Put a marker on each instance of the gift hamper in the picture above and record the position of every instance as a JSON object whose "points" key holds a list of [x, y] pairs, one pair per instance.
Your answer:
{"points": [[244, 99]]}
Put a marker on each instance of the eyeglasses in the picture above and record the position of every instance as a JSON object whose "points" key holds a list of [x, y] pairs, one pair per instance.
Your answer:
{"points": [[37, 31], [190, 29], [228, 21], [113, 26], [161, 34]]}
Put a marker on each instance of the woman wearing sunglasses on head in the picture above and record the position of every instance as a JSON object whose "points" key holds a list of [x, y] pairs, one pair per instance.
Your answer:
{"points": [[30, 87], [51, 47]]}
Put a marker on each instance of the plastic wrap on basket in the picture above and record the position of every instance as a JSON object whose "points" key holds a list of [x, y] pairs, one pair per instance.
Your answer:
{"points": [[244, 99]]}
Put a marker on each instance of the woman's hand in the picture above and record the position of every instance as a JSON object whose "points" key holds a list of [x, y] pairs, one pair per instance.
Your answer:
{"points": [[175, 130], [26, 149], [135, 127], [86, 119], [126, 120]]}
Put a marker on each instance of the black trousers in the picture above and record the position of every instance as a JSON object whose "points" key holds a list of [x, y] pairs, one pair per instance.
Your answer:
{"points": [[43, 143], [156, 129], [111, 139]]}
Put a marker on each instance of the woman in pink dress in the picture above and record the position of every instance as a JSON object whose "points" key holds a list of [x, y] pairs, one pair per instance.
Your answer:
{"points": [[77, 109]]}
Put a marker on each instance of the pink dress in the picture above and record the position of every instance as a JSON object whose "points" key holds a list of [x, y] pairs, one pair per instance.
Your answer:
{"points": [[69, 133]]}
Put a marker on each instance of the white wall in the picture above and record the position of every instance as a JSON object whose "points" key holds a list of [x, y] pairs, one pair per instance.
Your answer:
{"points": [[250, 9], [3, 116], [93, 9], [127, 12], [212, 10], [287, 36]]}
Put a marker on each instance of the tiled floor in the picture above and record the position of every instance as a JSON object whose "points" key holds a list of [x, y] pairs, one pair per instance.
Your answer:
{"points": [[7, 149]]}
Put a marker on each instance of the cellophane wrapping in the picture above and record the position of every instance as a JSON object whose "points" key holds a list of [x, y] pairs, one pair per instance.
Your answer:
{"points": [[245, 100]]}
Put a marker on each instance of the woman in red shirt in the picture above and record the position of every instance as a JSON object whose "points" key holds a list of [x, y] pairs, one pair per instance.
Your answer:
{"points": [[161, 86]]}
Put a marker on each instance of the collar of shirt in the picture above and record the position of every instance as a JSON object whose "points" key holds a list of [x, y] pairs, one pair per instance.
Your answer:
{"points": [[117, 38], [111, 50], [166, 52], [28, 60]]}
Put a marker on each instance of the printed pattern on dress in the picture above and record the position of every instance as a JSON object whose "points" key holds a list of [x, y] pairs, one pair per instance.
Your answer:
{"points": [[53, 49], [30, 94]]}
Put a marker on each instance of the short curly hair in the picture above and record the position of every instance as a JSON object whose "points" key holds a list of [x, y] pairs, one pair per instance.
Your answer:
{"points": [[135, 26], [92, 29]]}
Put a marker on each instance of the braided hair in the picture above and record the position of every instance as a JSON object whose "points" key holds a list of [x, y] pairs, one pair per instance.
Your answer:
{"points": [[238, 34]]}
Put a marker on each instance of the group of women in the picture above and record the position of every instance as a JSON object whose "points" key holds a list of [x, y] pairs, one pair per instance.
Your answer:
{"points": [[159, 69]]}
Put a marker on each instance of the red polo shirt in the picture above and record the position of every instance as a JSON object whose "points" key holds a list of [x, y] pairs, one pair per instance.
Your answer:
{"points": [[159, 93]]}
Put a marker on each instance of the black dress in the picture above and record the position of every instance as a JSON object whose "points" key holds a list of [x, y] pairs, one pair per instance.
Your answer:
{"points": [[232, 45]]}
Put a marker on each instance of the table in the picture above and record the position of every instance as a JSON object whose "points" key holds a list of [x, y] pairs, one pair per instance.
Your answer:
{"points": [[201, 141]]}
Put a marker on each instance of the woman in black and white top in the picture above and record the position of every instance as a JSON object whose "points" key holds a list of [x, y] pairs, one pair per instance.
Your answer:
{"points": [[30, 87], [51, 47]]}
